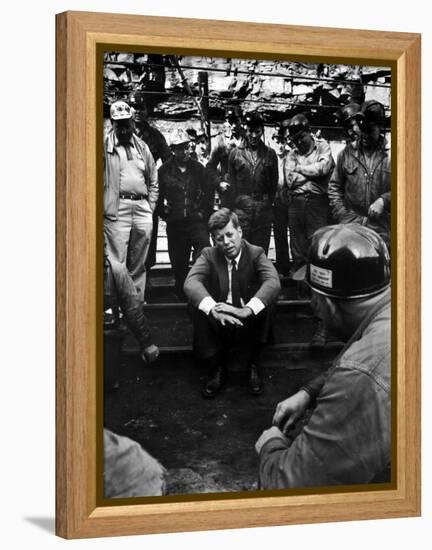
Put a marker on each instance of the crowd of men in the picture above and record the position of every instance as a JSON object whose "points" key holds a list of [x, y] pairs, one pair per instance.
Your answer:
{"points": [[336, 213]]}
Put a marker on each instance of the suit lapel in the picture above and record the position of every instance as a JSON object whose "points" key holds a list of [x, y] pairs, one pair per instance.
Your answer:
{"points": [[243, 269]]}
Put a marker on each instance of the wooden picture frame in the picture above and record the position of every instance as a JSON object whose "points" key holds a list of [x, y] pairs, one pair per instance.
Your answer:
{"points": [[78, 297]]}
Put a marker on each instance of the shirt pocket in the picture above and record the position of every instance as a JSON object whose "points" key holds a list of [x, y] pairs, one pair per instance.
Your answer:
{"points": [[351, 168], [139, 161]]}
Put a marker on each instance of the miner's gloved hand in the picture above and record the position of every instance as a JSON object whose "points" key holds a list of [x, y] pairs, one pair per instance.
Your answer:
{"points": [[376, 208], [290, 410], [150, 354]]}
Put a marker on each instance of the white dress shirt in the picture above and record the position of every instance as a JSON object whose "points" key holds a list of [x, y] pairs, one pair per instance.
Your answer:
{"points": [[208, 303]]}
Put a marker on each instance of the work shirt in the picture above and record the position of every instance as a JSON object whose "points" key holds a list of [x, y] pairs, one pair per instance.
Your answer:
{"points": [[112, 175], [130, 471], [184, 194], [132, 170], [253, 176], [316, 165], [347, 439], [358, 180]]}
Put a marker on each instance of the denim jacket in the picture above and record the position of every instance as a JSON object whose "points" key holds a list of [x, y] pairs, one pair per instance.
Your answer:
{"points": [[353, 187], [347, 439], [112, 175]]}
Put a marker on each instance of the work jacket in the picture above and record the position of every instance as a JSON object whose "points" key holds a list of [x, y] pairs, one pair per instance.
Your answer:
{"points": [[112, 174], [354, 186], [254, 183], [184, 195], [347, 439], [317, 166]]}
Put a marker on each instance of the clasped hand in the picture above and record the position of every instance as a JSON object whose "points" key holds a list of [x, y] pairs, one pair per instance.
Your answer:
{"points": [[241, 313]]}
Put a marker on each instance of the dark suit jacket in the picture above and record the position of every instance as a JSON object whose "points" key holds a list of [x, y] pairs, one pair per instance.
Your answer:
{"points": [[209, 276]]}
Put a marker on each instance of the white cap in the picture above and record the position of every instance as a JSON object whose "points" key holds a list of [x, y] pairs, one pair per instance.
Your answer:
{"points": [[120, 110]]}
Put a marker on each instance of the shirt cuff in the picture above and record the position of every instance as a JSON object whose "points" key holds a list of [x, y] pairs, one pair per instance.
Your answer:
{"points": [[256, 305], [206, 304]]}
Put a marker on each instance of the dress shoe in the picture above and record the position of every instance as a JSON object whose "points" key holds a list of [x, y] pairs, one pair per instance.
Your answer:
{"points": [[256, 384], [319, 339], [215, 383]]}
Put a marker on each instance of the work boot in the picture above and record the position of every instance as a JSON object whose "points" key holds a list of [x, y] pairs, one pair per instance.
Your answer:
{"points": [[319, 339], [256, 384], [214, 383]]}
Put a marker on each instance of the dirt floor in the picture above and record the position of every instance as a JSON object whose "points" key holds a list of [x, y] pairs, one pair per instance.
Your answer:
{"points": [[207, 445]]}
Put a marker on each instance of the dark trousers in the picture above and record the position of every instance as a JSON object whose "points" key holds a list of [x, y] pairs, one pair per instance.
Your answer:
{"points": [[260, 237], [254, 231], [280, 231], [306, 214], [151, 256], [183, 237], [213, 342]]}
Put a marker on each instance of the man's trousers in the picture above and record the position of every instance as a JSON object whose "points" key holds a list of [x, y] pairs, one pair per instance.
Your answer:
{"points": [[128, 239], [306, 213]]}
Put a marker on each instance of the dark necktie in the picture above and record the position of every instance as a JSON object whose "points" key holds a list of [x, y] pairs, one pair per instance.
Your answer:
{"points": [[235, 285]]}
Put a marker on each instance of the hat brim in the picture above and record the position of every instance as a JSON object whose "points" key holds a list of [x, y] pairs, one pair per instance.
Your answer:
{"points": [[128, 117], [180, 143]]}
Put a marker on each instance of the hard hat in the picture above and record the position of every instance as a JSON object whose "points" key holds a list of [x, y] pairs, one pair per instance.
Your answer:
{"points": [[348, 112], [373, 111], [347, 261], [254, 120], [233, 113], [178, 137], [120, 110], [280, 130], [298, 124], [137, 99]]}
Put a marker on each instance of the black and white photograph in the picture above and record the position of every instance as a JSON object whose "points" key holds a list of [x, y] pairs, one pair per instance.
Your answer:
{"points": [[246, 283]]}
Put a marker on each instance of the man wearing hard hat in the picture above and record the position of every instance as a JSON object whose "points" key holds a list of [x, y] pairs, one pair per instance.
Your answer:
{"points": [[360, 187], [185, 203], [130, 194], [346, 438], [253, 175]]}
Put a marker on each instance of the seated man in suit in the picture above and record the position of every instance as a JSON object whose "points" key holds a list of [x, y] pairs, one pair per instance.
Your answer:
{"points": [[230, 287]]}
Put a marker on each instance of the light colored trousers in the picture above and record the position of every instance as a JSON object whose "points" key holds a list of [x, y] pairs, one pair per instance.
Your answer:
{"points": [[128, 239]]}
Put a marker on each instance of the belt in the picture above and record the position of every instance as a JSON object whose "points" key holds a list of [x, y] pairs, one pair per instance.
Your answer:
{"points": [[307, 195], [133, 196]]}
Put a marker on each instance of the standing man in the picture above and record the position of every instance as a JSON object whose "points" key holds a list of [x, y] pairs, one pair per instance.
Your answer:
{"points": [[351, 119], [280, 224], [185, 203], [154, 139], [308, 168], [253, 175], [159, 149], [346, 438], [217, 165], [130, 194], [360, 187], [231, 288]]}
